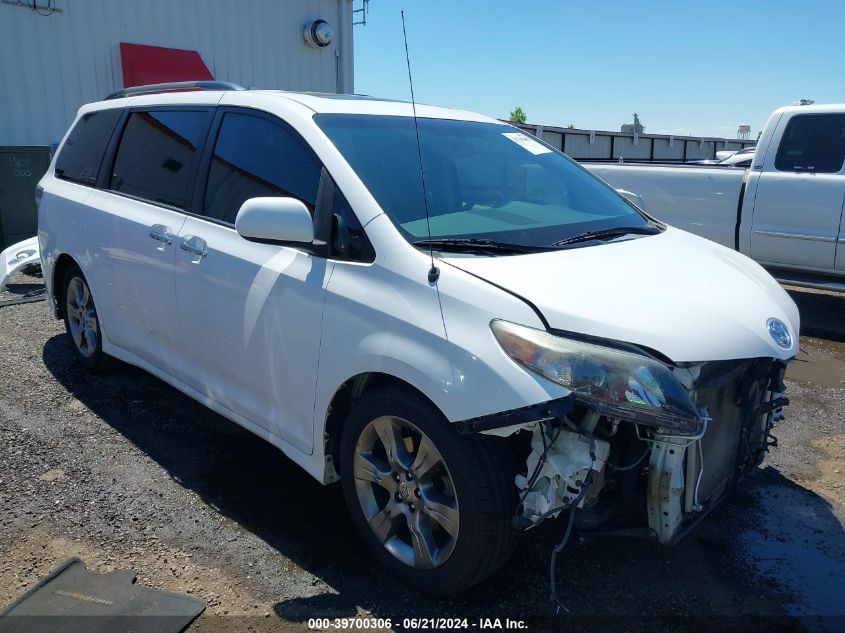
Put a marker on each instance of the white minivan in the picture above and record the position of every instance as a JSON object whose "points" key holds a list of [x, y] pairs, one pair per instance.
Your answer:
{"points": [[465, 327]]}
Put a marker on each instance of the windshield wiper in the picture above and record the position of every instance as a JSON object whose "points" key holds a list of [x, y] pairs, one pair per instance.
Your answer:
{"points": [[477, 244], [604, 234]]}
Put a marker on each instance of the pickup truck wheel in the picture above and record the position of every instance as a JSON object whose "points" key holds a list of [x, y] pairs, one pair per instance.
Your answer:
{"points": [[81, 322], [432, 506]]}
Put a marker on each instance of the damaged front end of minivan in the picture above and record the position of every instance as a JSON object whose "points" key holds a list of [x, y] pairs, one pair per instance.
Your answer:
{"points": [[641, 445]]}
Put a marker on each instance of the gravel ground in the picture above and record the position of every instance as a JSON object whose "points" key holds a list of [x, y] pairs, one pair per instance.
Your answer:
{"points": [[126, 472]]}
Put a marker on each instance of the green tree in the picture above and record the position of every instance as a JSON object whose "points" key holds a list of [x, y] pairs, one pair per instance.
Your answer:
{"points": [[518, 115]]}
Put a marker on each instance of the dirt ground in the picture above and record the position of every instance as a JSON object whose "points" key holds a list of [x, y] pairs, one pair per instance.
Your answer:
{"points": [[125, 472]]}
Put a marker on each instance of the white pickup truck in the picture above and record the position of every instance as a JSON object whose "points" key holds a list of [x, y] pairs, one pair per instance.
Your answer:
{"points": [[785, 211]]}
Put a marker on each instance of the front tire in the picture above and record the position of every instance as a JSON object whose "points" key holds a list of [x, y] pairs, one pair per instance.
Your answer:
{"points": [[81, 322], [433, 507]]}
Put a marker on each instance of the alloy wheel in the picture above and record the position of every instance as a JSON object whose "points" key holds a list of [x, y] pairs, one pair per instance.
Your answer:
{"points": [[81, 316], [406, 492]]}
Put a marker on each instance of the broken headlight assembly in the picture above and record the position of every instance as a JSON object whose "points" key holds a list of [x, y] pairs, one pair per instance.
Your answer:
{"points": [[614, 382]]}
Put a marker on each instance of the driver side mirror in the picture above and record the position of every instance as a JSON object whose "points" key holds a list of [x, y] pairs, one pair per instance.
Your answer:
{"points": [[275, 220]]}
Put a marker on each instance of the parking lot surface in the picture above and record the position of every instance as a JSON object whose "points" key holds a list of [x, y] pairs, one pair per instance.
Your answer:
{"points": [[126, 472]]}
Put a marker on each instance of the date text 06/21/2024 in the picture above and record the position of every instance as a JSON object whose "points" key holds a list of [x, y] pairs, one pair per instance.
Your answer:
{"points": [[433, 623]]}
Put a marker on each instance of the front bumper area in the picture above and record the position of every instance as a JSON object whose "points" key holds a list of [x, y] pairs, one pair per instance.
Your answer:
{"points": [[629, 472]]}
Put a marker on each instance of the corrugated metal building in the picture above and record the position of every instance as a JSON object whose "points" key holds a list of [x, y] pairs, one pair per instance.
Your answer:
{"points": [[60, 54]]}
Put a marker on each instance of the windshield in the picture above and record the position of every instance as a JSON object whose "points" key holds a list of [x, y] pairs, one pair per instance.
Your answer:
{"points": [[483, 181]]}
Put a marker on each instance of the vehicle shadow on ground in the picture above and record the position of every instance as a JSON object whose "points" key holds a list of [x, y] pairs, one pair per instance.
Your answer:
{"points": [[21, 286], [822, 314], [610, 580], [802, 548]]}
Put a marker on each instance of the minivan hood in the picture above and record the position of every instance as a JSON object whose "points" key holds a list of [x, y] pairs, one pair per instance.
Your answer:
{"points": [[681, 295]]}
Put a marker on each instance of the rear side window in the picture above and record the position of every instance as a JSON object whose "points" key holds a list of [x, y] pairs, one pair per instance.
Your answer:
{"points": [[81, 155], [156, 153], [813, 142], [256, 157]]}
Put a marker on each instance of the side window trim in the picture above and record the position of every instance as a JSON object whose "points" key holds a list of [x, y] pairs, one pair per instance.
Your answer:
{"points": [[197, 199], [324, 210], [107, 164], [105, 175], [363, 258]]}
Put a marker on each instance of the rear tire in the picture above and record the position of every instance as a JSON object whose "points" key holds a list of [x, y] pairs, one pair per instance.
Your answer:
{"points": [[81, 322], [434, 508]]}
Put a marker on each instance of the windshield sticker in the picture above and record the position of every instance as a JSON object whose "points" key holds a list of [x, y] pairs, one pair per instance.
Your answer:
{"points": [[527, 142]]}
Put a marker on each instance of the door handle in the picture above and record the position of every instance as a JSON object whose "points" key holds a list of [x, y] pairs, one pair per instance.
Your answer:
{"points": [[196, 250], [161, 236]]}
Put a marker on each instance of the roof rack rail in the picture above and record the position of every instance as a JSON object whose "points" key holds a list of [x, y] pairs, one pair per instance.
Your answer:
{"points": [[173, 86]]}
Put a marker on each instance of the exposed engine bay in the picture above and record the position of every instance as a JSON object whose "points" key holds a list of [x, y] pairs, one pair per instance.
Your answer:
{"points": [[646, 475]]}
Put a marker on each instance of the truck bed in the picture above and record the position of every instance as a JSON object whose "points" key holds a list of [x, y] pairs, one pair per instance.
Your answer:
{"points": [[701, 199]]}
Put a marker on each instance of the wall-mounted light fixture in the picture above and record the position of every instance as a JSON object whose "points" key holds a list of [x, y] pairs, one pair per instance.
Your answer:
{"points": [[318, 33]]}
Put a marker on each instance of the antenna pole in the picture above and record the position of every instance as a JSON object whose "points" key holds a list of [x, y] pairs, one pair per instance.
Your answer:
{"points": [[434, 272]]}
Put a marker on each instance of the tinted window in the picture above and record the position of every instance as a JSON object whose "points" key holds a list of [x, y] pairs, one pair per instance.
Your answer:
{"points": [[83, 151], [155, 155], [813, 142], [255, 157]]}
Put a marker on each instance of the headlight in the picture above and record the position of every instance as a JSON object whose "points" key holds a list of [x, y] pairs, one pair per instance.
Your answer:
{"points": [[615, 382]]}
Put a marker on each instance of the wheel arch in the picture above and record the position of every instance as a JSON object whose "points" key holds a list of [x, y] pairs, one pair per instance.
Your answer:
{"points": [[63, 263], [344, 399]]}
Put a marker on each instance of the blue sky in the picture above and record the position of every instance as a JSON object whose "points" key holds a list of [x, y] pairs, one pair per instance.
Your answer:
{"points": [[698, 68]]}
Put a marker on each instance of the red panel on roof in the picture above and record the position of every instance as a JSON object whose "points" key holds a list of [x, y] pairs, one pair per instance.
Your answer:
{"points": [[144, 65]]}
